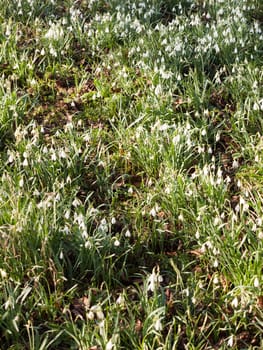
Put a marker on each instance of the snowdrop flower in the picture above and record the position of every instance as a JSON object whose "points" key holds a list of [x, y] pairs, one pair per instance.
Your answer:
{"points": [[55, 32], [181, 217], [103, 226], [163, 127], [215, 264], [76, 202], [3, 274], [96, 309], [62, 153], [11, 157], [8, 30], [158, 325], [25, 162], [61, 255], [158, 90], [244, 204], [176, 139], [215, 279], [21, 182], [90, 315], [130, 190], [230, 341], [234, 302], [109, 345], [259, 222], [154, 280], [153, 212], [53, 156], [117, 243], [102, 331], [121, 301], [67, 214], [127, 233], [52, 51], [256, 283], [235, 164]]}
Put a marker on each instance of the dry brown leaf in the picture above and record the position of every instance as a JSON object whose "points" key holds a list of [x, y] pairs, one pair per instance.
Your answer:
{"points": [[138, 326], [196, 252], [80, 306], [260, 301]]}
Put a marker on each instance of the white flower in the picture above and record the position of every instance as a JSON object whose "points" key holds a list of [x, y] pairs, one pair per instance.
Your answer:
{"points": [[256, 282], [181, 217], [154, 280], [117, 243], [101, 325], [76, 202], [234, 302], [215, 264], [67, 214], [62, 154], [127, 233], [53, 156], [176, 139], [55, 32], [8, 30], [217, 221], [103, 226], [166, 75], [109, 345], [52, 51], [230, 341], [259, 221], [235, 164], [90, 315], [25, 162], [163, 127], [120, 299], [11, 157], [98, 311], [244, 203], [215, 279], [153, 212], [158, 90], [3, 274], [158, 325]]}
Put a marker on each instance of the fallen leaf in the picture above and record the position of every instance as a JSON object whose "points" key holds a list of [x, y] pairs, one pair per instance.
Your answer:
{"points": [[138, 326]]}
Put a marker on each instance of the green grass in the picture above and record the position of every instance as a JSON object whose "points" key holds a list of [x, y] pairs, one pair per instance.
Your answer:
{"points": [[131, 162]]}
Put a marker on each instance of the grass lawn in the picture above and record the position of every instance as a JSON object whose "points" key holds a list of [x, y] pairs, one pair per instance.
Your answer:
{"points": [[131, 174]]}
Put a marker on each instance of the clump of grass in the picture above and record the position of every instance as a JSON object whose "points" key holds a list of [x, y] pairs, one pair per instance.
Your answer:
{"points": [[131, 190]]}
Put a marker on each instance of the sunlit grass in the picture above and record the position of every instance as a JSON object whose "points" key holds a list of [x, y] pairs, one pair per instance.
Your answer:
{"points": [[131, 175]]}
